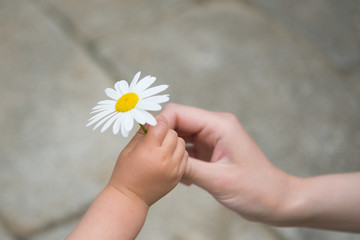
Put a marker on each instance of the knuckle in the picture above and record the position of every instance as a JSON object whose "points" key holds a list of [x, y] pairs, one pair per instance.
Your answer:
{"points": [[189, 172], [163, 156], [230, 118], [186, 156], [181, 142], [173, 132], [162, 121], [172, 135], [169, 106]]}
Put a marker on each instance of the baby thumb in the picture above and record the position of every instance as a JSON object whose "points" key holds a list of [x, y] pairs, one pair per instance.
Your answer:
{"points": [[200, 173]]}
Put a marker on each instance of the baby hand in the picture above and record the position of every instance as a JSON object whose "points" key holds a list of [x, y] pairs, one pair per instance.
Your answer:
{"points": [[151, 164]]}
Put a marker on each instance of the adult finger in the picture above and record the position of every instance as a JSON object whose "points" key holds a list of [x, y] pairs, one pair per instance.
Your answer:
{"points": [[200, 173], [185, 118], [190, 121]]}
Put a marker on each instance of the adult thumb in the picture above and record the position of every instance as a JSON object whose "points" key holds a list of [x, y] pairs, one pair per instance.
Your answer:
{"points": [[200, 173]]}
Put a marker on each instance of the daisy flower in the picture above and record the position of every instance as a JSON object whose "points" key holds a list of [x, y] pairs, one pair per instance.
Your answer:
{"points": [[129, 103]]}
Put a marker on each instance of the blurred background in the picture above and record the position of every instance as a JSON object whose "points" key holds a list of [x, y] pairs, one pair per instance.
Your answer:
{"points": [[289, 70]]}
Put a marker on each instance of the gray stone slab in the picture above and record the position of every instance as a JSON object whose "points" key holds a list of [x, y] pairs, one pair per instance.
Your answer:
{"points": [[94, 22], [100, 20], [192, 214], [226, 56], [51, 164], [4, 234], [332, 26], [219, 55], [57, 232], [314, 234]]}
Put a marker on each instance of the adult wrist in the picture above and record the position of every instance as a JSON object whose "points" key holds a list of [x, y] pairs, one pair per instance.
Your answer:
{"points": [[292, 207]]}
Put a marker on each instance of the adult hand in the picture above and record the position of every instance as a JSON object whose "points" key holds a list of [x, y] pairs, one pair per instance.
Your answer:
{"points": [[226, 162]]}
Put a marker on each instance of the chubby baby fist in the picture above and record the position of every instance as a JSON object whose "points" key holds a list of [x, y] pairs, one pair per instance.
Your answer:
{"points": [[151, 164]]}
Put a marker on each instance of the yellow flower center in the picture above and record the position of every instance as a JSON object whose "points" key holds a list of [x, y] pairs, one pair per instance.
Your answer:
{"points": [[127, 102]]}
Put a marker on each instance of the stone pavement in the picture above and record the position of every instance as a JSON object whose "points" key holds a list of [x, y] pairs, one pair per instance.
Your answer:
{"points": [[288, 69]]}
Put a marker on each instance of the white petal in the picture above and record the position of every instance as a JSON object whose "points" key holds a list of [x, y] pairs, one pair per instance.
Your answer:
{"points": [[108, 123], [95, 111], [144, 84], [104, 107], [134, 81], [99, 108], [136, 114], [128, 121], [122, 87], [116, 126], [123, 129], [111, 93], [147, 105], [158, 98], [107, 102], [124, 132], [98, 116], [148, 117], [154, 90], [103, 120], [101, 114], [117, 87]]}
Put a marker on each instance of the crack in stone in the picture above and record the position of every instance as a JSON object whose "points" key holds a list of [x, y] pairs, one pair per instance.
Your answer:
{"points": [[61, 222], [65, 24]]}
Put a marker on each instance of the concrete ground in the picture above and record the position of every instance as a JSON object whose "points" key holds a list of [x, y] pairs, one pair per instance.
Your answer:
{"points": [[290, 71]]}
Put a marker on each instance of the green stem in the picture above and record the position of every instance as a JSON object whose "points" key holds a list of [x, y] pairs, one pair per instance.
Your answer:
{"points": [[143, 128]]}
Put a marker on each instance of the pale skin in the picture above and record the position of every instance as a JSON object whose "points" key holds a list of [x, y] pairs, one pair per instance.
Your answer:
{"points": [[148, 168], [226, 162]]}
